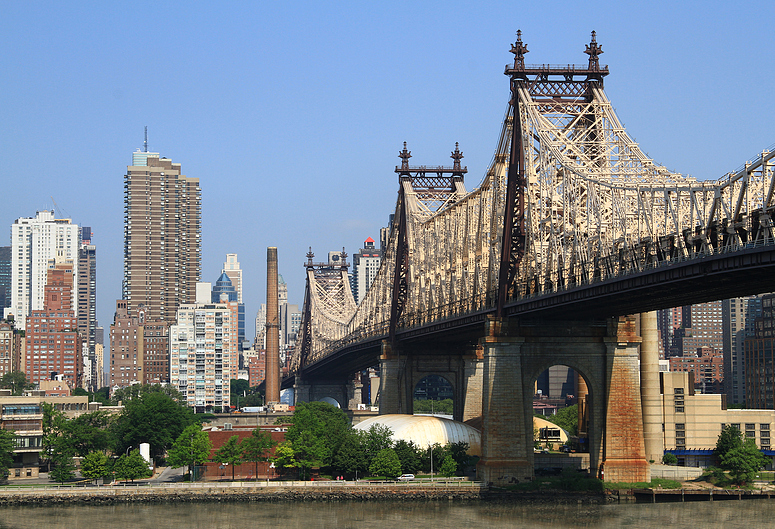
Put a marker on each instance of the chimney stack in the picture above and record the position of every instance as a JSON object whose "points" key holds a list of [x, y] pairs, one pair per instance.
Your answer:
{"points": [[272, 329]]}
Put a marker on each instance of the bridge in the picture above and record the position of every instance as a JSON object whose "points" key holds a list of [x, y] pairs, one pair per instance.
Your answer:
{"points": [[559, 256]]}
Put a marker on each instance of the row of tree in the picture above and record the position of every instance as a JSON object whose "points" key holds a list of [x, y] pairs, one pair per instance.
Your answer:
{"points": [[320, 436]]}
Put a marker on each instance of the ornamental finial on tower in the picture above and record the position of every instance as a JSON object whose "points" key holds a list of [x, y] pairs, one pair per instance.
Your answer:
{"points": [[456, 156], [310, 255], [594, 51], [519, 50], [405, 155]]}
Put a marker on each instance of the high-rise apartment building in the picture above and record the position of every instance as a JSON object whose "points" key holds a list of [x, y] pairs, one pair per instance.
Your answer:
{"points": [[87, 305], [5, 278], [203, 353], [365, 266], [225, 287], [738, 315], [162, 231], [8, 339], [35, 243], [759, 358], [53, 344], [126, 345]]}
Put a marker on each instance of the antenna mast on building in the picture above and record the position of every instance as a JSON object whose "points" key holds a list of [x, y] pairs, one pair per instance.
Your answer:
{"points": [[145, 143]]}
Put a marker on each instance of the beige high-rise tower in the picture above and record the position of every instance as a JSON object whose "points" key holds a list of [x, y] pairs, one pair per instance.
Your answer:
{"points": [[162, 230]]}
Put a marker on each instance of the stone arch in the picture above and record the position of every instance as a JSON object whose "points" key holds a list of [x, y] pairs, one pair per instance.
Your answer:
{"points": [[332, 401], [446, 387]]}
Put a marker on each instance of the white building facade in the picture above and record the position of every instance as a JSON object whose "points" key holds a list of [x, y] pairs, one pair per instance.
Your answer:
{"points": [[36, 243]]}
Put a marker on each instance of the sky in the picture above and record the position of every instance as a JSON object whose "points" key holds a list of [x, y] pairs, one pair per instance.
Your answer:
{"points": [[292, 114]]}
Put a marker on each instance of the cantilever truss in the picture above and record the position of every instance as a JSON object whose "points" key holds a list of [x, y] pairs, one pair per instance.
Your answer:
{"points": [[573, 197]]}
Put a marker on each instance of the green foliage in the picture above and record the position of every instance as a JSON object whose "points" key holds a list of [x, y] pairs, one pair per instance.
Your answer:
{"points": [[459, 453], [16, 381], [375, 439], [350, 457], [284, 457], [441, 407], [6, 452], [132, 467], [87, 433], [230, 453], [63, 469], [317, 429], [409, 456], [95, 465], [136, 391], [669, 459], [656, 483], [192, 447], [730, 438], [151, 417], [448, 466], [101, 395], [256, 447], [743, 462], [566, 418], [386, 464]]}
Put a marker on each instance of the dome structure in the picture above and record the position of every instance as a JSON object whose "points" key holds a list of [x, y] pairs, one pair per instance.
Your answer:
{"points": [[426, 430]]}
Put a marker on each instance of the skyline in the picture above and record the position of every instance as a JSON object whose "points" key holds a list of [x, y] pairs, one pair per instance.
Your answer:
{"points": [[292, 116]]}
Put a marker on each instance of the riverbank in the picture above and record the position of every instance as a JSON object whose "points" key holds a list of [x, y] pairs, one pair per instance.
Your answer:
{"points": [[287, 492]]}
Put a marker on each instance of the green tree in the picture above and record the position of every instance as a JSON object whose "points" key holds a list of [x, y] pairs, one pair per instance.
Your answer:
{"points": [[376, 438], [54, 444], [669, 459], [87, 433], [16, 381], [743, 462], [459, 453], [151, 417], [95, 466], [409, 456], [63, 467], [440, 407], [230, 453], [350, 457], [448, 466], [386, 464], [317, 429], [566, 418], [132, 467], [256, 447], [135, 391], [284, 457], [729, 439], [192, 447], [6, 452]]}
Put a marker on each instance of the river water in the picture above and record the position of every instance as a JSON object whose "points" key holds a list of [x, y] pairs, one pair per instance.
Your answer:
{"points": [[718, 514]]}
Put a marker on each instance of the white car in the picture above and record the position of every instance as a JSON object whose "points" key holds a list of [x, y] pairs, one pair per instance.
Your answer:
{"points": [[406, 477]]}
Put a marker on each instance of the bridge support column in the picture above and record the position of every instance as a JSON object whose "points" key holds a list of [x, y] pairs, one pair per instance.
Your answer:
{"points": [[507, 432], [354, 394], [649, 387], [389, 382], [624, 457], [473, 380], [301, 390]]}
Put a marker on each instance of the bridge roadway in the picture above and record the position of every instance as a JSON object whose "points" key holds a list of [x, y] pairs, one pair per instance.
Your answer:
{"points": [[726, 275]]}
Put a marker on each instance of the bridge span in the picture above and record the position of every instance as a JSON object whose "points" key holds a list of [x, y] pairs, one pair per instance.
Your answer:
{"points": [[572, 230]]}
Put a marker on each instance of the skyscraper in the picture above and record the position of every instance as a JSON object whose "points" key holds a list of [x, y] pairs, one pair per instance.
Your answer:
{"points": [[225, 286], [739, 316], [231, 268], [162, 231], [35, 242], [365, 266], [5, 277], [87, 305]]}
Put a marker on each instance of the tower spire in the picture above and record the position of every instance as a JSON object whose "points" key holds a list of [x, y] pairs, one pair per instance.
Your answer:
{"points": [[145, 143]]}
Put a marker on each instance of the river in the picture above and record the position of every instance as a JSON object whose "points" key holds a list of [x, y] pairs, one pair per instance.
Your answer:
{"points": [[718, 514]]}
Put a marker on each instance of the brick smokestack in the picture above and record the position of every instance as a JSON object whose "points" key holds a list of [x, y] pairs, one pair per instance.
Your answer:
{"points": [[272, 329]]}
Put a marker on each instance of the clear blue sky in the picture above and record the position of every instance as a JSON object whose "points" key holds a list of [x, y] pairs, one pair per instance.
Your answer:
{"points": [[292, 114]]}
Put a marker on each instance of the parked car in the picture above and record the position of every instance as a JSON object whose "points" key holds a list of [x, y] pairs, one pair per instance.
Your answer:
{"points": [[406, 477]]}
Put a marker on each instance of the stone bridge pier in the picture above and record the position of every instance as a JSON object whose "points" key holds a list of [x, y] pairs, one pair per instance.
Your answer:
{"points": [[604, 353], [347, 393], [402, 370]]}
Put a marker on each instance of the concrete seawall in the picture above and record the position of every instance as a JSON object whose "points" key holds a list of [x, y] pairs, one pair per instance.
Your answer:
{"points": [[337, 492]]}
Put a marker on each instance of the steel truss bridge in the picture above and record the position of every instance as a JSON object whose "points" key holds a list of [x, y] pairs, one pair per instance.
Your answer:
{"points": [[571, 218]]}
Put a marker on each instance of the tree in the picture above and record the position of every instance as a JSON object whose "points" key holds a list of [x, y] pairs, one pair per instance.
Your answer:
{"points": [[316, 432], [135, 391], [386, 464], [132, 467], [87, 433], [230, 453], [376, 438], [567, 419], [669, 459], [191, 448], [350, 457], [408, 455], [64, 468], [743, 462], [256, 447], [448, 466], [95, 466], [16, 381], [284, 456], [459, 453], [6, 452], [730, 438], [151, 417]]}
